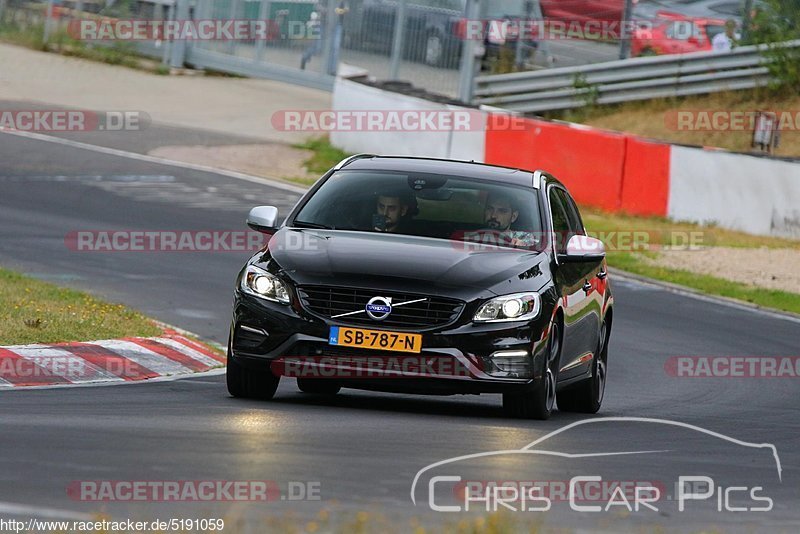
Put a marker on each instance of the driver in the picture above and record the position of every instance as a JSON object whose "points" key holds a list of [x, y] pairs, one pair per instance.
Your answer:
{"points": [[393, 210]]}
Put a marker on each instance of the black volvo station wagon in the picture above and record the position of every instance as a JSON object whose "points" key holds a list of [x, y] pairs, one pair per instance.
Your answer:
{"points": [[426, 276]]}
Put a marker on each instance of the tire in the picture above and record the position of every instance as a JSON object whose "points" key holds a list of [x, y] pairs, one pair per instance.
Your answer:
{"points": [[248, 383], [539, 403], [587, 397], [318, 386]]}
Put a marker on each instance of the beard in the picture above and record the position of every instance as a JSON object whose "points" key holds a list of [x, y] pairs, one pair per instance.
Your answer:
{"points": [[494, 224]]}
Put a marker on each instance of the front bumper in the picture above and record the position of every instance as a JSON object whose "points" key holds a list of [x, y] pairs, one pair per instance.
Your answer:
{"points": [[288, 340]]}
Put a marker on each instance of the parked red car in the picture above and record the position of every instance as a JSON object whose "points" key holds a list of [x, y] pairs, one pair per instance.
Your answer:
{"points": [[675, 34], [570, 11]]}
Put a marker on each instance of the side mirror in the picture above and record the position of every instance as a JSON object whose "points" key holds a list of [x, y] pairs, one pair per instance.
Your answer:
{"points": [[263, 219], [582, 248]]}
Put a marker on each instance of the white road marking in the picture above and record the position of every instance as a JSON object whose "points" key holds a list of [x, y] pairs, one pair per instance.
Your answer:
{"points": [[152, 159]]}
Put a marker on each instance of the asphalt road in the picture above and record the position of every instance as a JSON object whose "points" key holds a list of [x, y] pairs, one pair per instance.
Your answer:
{"points": [[363, 449]]}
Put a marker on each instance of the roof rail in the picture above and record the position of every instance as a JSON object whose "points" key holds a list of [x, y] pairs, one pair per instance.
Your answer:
{"points": [[346, 161]]}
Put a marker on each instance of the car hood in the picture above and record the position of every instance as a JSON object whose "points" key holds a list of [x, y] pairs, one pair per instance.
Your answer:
{"points": [[364, 258]]}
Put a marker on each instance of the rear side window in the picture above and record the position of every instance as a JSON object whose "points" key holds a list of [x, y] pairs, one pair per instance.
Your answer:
{"points": [[566, 218], [560, 221], [573, 215]]}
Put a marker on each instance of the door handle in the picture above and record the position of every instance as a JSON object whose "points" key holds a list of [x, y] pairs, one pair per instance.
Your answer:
{"points": [[587, 286], [602, 274]]}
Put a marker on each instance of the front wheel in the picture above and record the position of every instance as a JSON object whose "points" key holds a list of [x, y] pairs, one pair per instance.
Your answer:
{"points": [[248, 383], [539, 403], [587, 397]]}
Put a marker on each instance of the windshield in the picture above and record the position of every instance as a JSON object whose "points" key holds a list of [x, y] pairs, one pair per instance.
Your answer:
{"points": [[426, 205]]}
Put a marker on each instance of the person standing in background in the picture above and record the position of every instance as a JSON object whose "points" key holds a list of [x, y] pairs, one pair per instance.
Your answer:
{"points": [[314, 29], [341, 10], [725, 41]]}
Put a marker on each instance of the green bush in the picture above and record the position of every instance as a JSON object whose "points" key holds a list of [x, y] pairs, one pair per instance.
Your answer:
{"points": [[773, 26]]}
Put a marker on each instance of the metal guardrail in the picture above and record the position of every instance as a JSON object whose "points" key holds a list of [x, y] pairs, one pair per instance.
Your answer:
{"points": [[625, 80]]}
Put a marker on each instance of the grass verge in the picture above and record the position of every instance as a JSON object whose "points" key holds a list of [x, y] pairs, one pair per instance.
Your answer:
{"points": [[711, 285], [666, 230], [603, 225], [39, 312], [656, 119], [118, 53], [323, 156]]}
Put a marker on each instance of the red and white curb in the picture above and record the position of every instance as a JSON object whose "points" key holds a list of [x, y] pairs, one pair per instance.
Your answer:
{"points": [[107, 361]]}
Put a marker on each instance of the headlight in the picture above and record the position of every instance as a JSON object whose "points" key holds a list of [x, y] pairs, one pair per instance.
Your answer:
{"points": [[516, 307], [260, 283]]}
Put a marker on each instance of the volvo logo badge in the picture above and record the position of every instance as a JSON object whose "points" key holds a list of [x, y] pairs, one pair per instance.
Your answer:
{"points": [[379, 308]]}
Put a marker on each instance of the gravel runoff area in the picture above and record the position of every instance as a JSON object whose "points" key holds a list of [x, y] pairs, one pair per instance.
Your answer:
{"points": [[768, 268], [272, 160]]}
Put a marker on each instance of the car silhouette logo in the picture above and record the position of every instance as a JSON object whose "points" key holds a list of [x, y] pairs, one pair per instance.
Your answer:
{"points": [[379, 308]]}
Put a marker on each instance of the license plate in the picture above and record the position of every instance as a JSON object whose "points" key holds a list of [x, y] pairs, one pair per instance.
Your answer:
{"points": [[375, 339]]}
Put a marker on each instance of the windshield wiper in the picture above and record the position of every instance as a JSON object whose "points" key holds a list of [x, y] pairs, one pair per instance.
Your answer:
{"points": [[304, 224]]}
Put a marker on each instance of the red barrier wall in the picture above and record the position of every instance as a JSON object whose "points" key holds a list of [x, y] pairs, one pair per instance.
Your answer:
{"points": [[588, 161], [645, 181], [607, 170]]}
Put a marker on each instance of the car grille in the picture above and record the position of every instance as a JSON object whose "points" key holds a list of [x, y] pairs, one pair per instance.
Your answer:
{"points": [[326, 302]]}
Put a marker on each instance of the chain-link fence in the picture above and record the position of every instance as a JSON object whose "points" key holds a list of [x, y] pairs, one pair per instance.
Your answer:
{"points": [[304, 41]]}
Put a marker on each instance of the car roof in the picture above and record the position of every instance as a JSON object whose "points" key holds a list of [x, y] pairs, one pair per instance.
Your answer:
{"points": [[466, 169]]}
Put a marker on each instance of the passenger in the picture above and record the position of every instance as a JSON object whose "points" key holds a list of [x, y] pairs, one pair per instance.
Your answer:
{"points": [[500, 214]]}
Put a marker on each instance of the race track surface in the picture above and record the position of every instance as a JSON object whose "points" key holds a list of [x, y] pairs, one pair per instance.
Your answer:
{"points": [[363, 449]]}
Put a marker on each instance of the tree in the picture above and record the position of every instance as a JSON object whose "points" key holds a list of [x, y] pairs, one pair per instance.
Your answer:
{"points": [[773, 25]]}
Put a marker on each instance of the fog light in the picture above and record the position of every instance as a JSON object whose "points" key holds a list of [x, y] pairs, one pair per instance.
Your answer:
{"points": [[509, 354], [253, 330], [511, 364], [249, 338]]}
